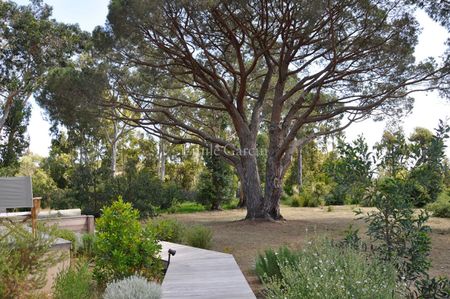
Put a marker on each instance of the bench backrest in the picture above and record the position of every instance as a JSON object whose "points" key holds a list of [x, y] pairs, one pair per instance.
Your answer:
{"points": [[16, 192]]}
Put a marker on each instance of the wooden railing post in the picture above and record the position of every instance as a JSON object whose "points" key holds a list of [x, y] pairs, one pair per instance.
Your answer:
{"points": [[34, 214]]}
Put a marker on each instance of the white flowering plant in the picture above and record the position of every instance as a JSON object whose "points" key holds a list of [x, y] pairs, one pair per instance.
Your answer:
{"points": [[324, 270]]}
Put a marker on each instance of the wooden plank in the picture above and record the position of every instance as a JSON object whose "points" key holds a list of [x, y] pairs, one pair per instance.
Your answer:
{"points": [[199, 273]]}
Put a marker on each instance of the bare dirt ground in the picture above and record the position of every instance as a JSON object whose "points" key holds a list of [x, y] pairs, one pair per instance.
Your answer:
{"points": [[245, 239]]}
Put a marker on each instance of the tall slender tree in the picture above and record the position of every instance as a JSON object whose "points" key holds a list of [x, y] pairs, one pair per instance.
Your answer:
{"points": [[31, 42], [13, 141]]}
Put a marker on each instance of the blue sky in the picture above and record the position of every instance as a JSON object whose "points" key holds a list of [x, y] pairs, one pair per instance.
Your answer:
{"points": [[428, 108]]}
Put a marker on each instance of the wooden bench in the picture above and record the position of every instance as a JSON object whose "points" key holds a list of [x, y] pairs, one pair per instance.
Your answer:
{"points": [[17, 192]]}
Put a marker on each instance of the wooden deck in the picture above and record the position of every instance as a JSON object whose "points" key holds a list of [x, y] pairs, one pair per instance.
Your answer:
{"points": [[203, 274]]}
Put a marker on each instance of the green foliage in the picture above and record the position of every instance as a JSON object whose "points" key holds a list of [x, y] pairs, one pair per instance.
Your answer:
{"points": [[123, 248], [427, 175], [392, 153], [69, 236], [352, 239], [32, 44], [87, 248], [326, 271], [233, 204], [24, 259], [311, 195], [216, 184], [70, 96], [91, 186], [13, 141], [133, 287], [436, 288], [351, 172], [74, 283], [296, 201], [169, 230], [312, 171], [268, 265], [186, 207], [198, 236], [441, 207], [398, 235]]}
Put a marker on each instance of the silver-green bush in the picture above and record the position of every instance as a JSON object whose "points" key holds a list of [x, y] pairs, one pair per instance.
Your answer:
{"points": [[132, 287], [326, 271]]}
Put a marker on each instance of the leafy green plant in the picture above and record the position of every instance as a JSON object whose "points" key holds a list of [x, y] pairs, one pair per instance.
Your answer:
{"points": [[123, 248], [398, 235], [87, 248], [441, 207], [169, 230], [326, 271], [312, 194], [268, 265], [74, 283], [198, 236], [296, 201], [24, 259], [216, 184], [351, 171], [352, 239], [133, 287], [436, 288]]}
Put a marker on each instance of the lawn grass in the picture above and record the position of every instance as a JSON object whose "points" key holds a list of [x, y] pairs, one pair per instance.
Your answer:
{"points": [[187, 207]]}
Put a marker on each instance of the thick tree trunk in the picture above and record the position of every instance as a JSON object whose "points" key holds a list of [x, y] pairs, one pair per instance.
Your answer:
{"points": [[252, 188], [273, 189]]}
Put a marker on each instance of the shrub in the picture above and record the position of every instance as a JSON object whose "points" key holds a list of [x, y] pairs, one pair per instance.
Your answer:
{"points": [[398, 235], [24, 259], [74, 283], [311, 195], [122, 246], [216, 182], [268, 265], [441, 207], [436, 287], [327, 271], [352, 239], [133, 287], [296, 201], [87, 248], [167, 229], [285, 198], [199, 236]]}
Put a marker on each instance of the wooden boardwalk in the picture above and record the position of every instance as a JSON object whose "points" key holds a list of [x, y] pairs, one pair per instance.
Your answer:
{"points": [[203, 274]]}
